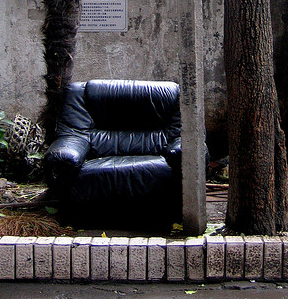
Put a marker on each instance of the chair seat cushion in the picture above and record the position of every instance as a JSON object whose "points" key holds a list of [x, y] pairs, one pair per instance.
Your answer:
{"points": [[121, 176], [126, 191]]}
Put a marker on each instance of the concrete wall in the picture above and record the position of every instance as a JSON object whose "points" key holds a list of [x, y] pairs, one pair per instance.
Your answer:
{"points": [[147, 51], [150, 51], [214, 73], [21, 62], [279, 11], [214, 77]]}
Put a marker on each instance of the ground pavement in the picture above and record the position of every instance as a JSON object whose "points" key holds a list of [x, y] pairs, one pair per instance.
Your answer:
{"points": [[231, 290]]}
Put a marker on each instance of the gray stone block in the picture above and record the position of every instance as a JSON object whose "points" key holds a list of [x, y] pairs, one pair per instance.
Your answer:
{"points": [[137, 259], [215, 257], [272, 258], [62, 258], [195, 259], [81, 258], [234, 257], [253, 257], [156, 259], [119, 258], [100, 258], [25, 258], [175, 260], [285, 257], [43, 257], [7, 254]]}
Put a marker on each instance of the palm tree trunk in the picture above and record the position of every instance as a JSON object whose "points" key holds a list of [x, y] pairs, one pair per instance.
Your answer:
{"points": [[59, 29]]}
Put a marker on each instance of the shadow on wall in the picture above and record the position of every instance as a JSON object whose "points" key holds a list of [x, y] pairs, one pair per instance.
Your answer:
{"points": [[281, 60]]}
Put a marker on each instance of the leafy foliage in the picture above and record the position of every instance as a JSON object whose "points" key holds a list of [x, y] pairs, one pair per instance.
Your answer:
{"points": [[3, 120]]}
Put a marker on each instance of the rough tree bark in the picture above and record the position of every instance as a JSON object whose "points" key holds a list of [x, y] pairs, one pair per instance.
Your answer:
{"points": [[59, 29], [257, 202]]}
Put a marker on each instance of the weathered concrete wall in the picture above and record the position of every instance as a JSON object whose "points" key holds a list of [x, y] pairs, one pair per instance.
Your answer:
{"points": [[214, 73], [147, 51], [214, 77], [279, 11], [150, 51], [21, 62]]}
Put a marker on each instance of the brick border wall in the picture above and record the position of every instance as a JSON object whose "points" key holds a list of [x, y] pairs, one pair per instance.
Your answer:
{"points": [[144, 259]]}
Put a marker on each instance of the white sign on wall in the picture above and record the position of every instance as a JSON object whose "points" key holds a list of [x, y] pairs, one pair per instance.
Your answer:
{"points": [[103, 15]]}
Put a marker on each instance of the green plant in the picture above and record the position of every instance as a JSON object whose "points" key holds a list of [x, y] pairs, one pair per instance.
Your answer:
{"points": [[3, 141]]}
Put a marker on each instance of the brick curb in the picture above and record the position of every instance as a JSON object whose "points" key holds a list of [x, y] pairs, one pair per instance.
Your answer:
{"points": [[213, 258]]}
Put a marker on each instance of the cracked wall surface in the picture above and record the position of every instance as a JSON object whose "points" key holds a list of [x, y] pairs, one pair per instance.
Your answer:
{"points": [[149, 50], [214, 77], [21, 61]]}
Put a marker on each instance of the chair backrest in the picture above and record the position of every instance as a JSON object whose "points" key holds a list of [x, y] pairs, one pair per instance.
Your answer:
{"points": [[122, 117]]}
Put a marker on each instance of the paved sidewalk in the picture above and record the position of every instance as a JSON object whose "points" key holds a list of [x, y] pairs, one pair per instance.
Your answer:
{"points": [[242, 289]]}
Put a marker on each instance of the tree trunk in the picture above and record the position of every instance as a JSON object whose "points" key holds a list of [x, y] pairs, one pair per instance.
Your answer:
{"points": [[59, 29], [258, 167]]}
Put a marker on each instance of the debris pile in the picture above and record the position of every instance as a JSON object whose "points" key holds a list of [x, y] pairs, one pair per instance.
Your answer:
{"points": [[19, 195], [23, 158], [25, 210]]}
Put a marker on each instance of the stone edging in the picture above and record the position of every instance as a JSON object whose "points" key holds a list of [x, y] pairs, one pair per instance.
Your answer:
{"points": [[144, 259]]}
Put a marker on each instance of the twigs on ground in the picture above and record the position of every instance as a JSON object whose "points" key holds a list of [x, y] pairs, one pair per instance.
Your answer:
{"points": [[12, 194], [30, 224]]}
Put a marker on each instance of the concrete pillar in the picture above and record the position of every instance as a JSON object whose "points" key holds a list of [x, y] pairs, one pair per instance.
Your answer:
{"points": [[190, 26]]}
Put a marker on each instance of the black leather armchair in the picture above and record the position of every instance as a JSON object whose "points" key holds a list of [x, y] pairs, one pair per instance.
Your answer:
{"points": [[117, 154]]}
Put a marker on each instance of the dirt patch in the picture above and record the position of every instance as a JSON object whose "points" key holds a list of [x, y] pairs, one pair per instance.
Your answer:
{"points": [[27, 210]]}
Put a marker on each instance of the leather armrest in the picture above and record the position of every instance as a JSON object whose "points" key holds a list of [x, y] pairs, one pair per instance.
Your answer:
{"points": [[64, 158], [173, 154]]}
